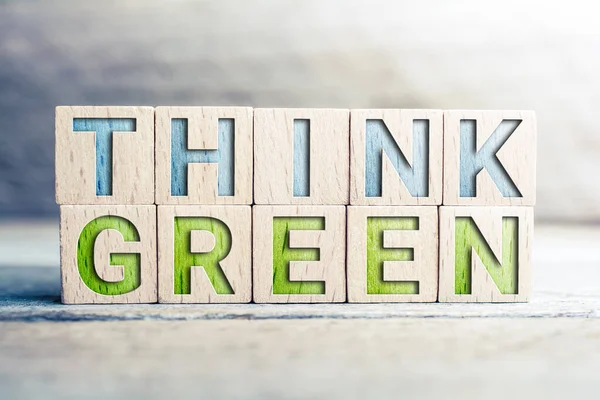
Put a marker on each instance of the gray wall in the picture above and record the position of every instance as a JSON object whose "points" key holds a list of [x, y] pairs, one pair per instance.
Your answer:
{"points": [[537, 55]]}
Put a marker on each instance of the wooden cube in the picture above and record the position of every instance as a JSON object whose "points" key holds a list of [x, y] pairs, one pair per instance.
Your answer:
{"points": [[108, 254], [396, 157], [392, 254], [299, 254], [204, 254], [104, 155], [204, 155], [301, 156], [489, 158], [485, 254]]}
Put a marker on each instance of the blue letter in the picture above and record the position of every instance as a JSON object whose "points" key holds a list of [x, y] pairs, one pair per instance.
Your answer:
{"points": [[473, 162], [302, 157], [104, 128], [379, 140], [181, 157]]}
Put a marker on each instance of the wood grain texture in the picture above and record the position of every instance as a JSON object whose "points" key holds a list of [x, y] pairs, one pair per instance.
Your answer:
{"points": [[324, 229], [207, 247], [485, 254], [274, 156], [392, 254], [202, 177], [517, 157], [400, 124], [314, 358], [75, 154], [95, 256]]}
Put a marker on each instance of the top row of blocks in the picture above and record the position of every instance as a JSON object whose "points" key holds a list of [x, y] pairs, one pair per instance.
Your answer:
{"points": [[217, 155]]}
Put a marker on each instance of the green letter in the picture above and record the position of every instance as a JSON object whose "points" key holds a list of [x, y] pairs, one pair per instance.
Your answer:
{"points": [[130, 261], [469, 237], [376, 255], [185, 259], [283, 254]]}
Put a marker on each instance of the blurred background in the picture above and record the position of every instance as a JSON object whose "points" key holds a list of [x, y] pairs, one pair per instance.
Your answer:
{"points": [[533, 54], [542, 55]]}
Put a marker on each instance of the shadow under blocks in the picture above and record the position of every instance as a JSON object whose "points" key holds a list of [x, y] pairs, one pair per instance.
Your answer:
{"points": [[239, 205]]}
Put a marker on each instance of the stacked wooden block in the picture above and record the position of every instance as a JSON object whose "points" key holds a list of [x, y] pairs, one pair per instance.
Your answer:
{"points": [[232, 205]]}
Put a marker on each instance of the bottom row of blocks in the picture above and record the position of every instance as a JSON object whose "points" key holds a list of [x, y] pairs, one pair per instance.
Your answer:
{"points": [[295, 254]]}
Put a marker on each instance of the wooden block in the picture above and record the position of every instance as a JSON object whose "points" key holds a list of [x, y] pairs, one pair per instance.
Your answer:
{"points": [[489, 158], [108, 254], [104, 155], [301, 156], [485, 254], [203, 155], [204, 254], [299, 254], [392, 254], [396, 157]]}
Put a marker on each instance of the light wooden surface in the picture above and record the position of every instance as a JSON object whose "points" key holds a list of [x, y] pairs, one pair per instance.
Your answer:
{"points": [[274, 156], [489, 222], [202, 187], [400, 125], [75, 154], [74, 219], [518, 156], [330, 267], [423, 268], [236, 264], [546, 349]]}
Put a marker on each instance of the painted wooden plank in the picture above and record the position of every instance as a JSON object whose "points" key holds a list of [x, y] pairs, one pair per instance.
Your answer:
{"points": [[489, 158], [108, 254], [285, 270], [95, 163], [282, 139], [485, 254], [204, 254], [392, 254], [203, 155], [396, 157]]}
